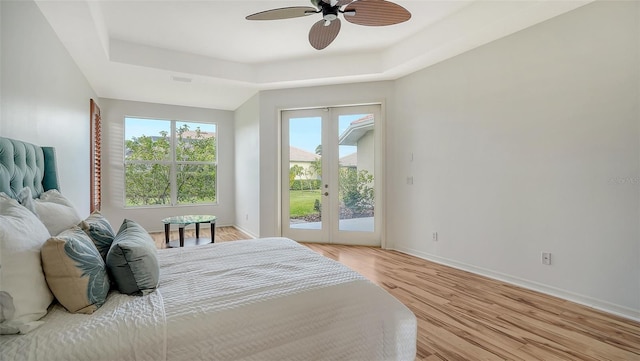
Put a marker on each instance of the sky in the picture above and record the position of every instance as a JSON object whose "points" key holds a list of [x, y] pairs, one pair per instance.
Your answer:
{"points": [[304, 132], [136, 127]]}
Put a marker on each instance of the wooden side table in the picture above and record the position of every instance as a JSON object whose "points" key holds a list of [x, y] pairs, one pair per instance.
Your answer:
{"points": [[183, 221]]}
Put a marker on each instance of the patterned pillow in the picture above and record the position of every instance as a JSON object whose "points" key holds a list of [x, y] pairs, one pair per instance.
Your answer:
{"points": [[24, 295], [75, 271], [132, 260], [99, 230], [56, 212]]}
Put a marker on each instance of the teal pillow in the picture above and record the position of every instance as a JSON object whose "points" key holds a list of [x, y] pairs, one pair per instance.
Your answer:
{"points": [[99, 230], [132, 260], [75, 272]]}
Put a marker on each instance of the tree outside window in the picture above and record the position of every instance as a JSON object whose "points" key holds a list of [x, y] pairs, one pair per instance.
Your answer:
{"points": [[169, 162]]}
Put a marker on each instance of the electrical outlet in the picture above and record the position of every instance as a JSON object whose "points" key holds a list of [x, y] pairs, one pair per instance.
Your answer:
{"points": [[434, 236], [546, 258]]}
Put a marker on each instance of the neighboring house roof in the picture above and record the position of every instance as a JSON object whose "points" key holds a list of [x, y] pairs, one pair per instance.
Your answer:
{"points": [[366, 118], [300, 155], [188, 134], [350, 160], [356, 130], [193, 134]]}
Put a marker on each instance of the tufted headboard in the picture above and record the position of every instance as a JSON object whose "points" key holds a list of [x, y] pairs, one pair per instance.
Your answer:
{"points": [[26, 165]]}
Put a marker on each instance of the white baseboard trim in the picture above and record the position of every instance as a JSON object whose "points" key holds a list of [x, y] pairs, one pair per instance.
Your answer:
{"points": [[244, 231], [601, 305]]}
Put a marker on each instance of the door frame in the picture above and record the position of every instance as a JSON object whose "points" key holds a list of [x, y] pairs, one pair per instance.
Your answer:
{"points": [[380, 169]]}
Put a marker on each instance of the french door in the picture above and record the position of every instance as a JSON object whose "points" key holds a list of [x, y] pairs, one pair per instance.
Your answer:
{"points": [[330, 175]]}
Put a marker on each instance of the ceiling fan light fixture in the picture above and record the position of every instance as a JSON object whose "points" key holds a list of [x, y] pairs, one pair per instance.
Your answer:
{"points": [[330, 17]]}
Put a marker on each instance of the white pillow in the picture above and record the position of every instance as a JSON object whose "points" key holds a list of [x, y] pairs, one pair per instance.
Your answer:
{"points": [[25, 295], [56, 212], [26, 199]]}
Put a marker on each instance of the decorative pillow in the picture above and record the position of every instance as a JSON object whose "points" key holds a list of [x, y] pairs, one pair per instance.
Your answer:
{"points": [[7, 309], [56, 212], [132, 260], [99, 230], [25, 296], [75, 271]]}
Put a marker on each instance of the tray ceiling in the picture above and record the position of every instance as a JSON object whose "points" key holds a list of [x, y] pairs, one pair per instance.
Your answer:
{"points": [[205, 54]]}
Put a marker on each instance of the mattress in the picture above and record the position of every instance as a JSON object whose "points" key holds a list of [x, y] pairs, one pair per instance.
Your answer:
{"points": [[263, 299]]}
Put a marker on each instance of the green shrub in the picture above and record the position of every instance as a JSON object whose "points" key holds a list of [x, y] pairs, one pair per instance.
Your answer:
{"points": [[304, 184], [356, 191]]}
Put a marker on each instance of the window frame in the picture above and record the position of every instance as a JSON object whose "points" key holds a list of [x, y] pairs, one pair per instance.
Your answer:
{"points": [[172, 162], [95, 157]]}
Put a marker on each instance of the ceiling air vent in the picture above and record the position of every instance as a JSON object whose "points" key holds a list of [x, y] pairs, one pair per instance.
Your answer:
{"points": [[181, 79]]}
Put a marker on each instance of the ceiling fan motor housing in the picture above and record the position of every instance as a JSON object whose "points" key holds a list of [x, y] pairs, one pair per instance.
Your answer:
{"points": [[329, 13]]}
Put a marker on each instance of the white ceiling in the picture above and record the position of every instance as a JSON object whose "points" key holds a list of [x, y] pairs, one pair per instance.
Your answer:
{"points": [[205, 54]]}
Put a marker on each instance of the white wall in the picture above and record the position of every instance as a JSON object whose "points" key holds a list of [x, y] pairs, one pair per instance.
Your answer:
{"points": [[366, 152], [247, 166], [272, 102], [524, 145], [113, 113], [44, 96]]}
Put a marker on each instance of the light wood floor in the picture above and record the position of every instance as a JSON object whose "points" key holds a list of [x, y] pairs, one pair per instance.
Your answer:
{"points": [[223, 234], [462, 316]]}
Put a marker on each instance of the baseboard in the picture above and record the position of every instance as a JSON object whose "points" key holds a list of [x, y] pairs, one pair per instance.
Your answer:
{"points": [[542, 288], [244, 231]]}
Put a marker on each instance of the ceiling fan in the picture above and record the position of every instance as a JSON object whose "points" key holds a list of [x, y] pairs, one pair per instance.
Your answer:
{"points": [[323, 32]]}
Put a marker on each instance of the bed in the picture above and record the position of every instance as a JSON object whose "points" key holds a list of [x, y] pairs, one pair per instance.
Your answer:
{"points": [[261, 299]]}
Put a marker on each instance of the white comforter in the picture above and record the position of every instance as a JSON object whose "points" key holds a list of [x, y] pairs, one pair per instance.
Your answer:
{"points": [[264, 299]]}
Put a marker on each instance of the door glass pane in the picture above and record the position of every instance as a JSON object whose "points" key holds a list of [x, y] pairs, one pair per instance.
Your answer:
{"points": [[356, 172], [305, 172]]}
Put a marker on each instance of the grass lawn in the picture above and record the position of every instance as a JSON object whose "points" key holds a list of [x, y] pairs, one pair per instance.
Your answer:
{"points": [[301, 202]]}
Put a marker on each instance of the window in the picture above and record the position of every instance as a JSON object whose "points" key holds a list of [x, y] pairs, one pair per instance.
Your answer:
{"points": [[169, 162]]}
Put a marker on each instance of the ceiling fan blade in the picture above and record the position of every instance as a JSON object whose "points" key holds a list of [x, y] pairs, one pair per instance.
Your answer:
{"points": [[283, 13], [337, 2], [320, 36], [376, 13]]}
